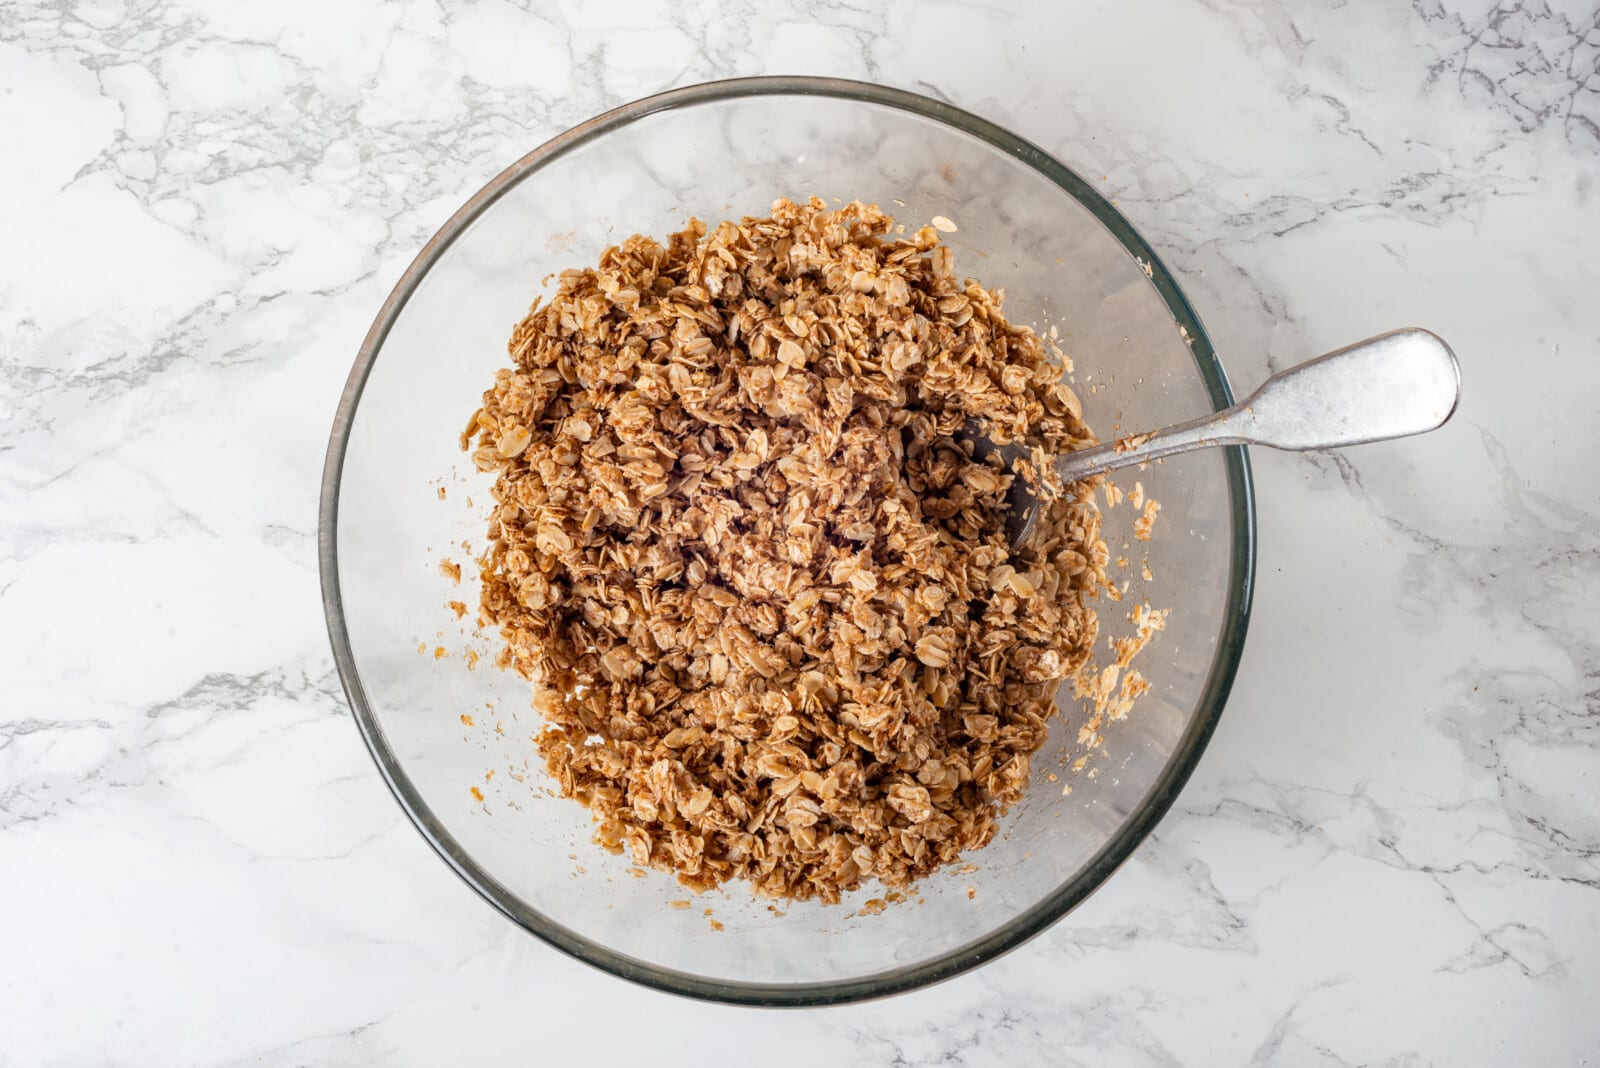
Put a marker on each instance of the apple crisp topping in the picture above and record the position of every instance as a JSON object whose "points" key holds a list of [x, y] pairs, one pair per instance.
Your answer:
{"points": [[763, 591]]}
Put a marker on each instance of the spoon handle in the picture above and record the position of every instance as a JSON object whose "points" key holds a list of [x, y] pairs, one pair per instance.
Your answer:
{"points": [[1390, 386]]}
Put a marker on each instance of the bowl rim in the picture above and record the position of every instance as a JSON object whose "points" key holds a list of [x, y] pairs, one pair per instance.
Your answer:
{"points": [[1024, 926]]}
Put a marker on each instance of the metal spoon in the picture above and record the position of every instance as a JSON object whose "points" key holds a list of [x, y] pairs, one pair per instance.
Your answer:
{"points": [[1390, 386]]}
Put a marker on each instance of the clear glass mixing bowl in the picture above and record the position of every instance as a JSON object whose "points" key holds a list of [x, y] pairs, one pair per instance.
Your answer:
{"points": [[1065, 258]]}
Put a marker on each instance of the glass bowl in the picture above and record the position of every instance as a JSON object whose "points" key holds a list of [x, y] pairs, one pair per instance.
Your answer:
{"points": [[438, 725]]}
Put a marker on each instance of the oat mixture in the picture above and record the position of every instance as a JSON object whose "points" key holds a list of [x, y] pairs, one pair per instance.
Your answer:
{"points": [[765, 596]]}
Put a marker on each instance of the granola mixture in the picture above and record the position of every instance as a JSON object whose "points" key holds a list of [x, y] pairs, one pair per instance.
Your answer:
{"points": [[765, 596]]}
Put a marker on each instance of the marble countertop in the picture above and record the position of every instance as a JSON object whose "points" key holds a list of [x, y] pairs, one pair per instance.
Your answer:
{"points": [[1390, 852]]}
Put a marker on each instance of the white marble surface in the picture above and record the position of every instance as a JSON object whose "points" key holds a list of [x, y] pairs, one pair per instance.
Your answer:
{"points": [[1390, 853]]}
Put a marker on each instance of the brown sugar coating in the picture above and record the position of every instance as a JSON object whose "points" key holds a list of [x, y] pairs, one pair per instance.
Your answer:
{"points": [[763, 592]]}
